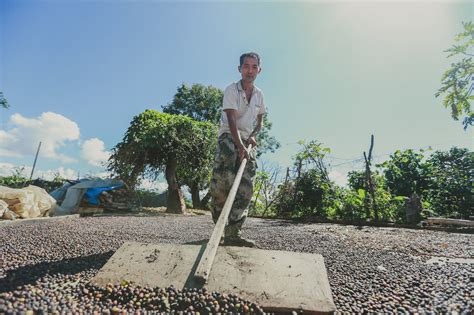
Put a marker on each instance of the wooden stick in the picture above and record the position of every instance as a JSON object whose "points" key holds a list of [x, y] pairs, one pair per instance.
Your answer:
{"points": [[205, 264]]}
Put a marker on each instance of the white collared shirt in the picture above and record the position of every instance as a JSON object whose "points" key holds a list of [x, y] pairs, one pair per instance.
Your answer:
{"points": [[246, 116]]}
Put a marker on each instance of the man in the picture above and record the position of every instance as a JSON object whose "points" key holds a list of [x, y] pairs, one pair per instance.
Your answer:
{"points": [[241, 120]]}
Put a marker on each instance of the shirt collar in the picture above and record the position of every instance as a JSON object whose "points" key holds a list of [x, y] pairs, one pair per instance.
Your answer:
{"points": [[239, 86], [241, 89]]}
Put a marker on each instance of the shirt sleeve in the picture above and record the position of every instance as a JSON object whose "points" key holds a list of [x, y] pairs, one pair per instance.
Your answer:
{"points": [[263, 108], [230, 98]]}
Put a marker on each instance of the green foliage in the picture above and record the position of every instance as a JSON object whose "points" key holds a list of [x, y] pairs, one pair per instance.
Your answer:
{"points": [[444, 181], [285, 201], [202, 104], [154, 140], [310, 192], [353, 205], [3, 101], [457, 82], [312, 155], [199, 102], [404, 173], [16, 180], [356, 179], [256, 205], [451, 183], [266, 142], [189, 203], [390, 208], [385, 205]]}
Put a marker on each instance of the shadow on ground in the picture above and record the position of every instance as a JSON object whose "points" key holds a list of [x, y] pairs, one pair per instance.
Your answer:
{"points": [[31, 273]]}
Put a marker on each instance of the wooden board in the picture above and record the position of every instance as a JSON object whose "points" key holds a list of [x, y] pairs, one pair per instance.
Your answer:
{"points": [[433, 220], [276, 280]]}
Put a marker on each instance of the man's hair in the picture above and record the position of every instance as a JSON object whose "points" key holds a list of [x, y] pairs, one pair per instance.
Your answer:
{"points": [[251, 55]]}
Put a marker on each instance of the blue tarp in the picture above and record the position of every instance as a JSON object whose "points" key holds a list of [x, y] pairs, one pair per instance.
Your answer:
{"points": [[59, 193], [93, 193], [72, 193]]}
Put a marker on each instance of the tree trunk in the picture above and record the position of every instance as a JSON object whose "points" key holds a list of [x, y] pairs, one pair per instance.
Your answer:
{"points": [[298, 170], [205, 201], [175, 195], [195, 195]]}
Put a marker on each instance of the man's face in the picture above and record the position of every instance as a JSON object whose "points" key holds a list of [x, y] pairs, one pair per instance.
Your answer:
{"points": [[249, 69]]}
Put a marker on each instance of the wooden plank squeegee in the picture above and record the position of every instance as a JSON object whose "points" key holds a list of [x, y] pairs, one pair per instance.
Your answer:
{"points": [[207, 259]]}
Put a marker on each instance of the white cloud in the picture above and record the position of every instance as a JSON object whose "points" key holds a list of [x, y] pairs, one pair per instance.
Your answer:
{"points": [[62, 172], [6, 139], [8, 169], [93, 151], [52, 129]]}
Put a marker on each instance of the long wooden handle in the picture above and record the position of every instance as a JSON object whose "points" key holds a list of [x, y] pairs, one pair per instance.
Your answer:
{"points": [[205, 264]]}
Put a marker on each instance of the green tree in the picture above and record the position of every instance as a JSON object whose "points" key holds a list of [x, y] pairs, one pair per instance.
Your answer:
{"points": [[457, 81], [266, 142], [356, 179], [201, 103], [312, 155], [197, 177], [205, 104], [404, 173], [310, 192], [451, 185], [162, 143], [3, 101]]}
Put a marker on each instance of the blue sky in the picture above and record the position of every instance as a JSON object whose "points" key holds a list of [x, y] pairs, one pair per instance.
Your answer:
{"points": [[76, 72]]}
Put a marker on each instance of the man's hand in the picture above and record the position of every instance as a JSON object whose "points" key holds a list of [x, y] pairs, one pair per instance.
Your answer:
{"points": [[243, 153]]}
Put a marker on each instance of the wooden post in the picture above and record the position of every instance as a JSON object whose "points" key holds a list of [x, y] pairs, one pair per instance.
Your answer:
{"points": [[369, 182], [205, 264], [34, 163]]}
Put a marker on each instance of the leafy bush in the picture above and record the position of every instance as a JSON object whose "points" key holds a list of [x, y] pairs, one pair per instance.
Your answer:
{"points": [[352, 205], [451, 183], [17, 180], [405, 173]]}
